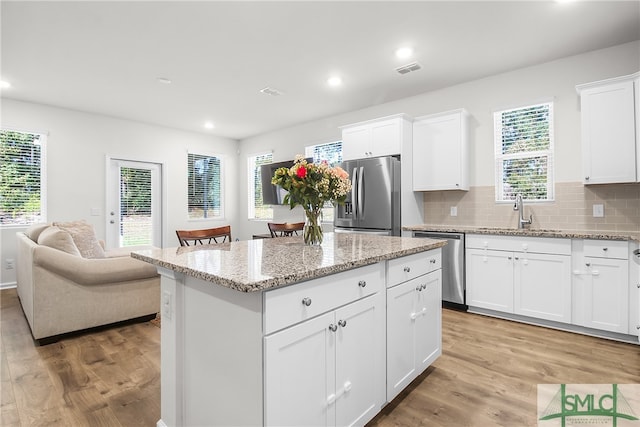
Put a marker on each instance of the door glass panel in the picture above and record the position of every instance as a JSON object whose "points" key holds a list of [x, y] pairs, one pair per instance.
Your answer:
{"points": [[136, 221]]}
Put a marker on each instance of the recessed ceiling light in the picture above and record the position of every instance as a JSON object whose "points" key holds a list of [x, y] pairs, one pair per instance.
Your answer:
{"points": [[271, 91], [4, 85], [163, 80], [404, 52], [334, 81], [209, 125]]}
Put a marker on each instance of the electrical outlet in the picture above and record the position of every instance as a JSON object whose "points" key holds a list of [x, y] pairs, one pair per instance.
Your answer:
{"points": [[454, 211], [9, 264], [166, 305], [598, 211]]}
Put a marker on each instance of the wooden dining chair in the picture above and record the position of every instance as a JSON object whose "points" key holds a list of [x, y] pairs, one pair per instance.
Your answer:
{"points": [[205, 236], [285, 229]]}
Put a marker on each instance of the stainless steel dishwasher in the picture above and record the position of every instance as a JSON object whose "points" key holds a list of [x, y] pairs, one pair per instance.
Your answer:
{"points": [[453, 278]]}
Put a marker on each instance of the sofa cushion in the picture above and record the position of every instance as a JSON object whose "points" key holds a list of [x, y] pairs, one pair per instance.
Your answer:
{"points": [[84, 236], [33, 232], [56, 238]]}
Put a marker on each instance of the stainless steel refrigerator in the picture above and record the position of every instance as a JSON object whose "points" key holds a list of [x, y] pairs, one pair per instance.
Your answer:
{"points": [[373, 206]]}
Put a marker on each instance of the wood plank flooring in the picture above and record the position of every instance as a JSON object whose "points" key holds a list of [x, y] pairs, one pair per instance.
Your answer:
{"points": [[487, 375]]}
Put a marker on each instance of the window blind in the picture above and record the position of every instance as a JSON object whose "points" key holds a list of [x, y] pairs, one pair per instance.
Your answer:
{"points": [[205, 186], [22, 181], [257, 210], [331, 152], [524, 152], [136, 206]]}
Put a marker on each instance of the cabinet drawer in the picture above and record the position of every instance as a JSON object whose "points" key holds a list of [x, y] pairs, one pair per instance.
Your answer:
{"points": [[411, 266], [606, 249], [542, 245], [292, 304]]}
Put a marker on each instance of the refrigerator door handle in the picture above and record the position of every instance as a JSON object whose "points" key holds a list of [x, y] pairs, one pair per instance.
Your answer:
{"points": [[361, 193], [354, 192]]}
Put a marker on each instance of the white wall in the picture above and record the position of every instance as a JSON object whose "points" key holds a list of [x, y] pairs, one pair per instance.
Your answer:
{"points": [[555, 80], [77, 147]]}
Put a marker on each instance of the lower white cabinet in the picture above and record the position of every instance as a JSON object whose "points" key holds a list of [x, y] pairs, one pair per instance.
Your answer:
{"points": [[523, 282], [601, 286], [489, 279], [328, 370], [414, 337]]}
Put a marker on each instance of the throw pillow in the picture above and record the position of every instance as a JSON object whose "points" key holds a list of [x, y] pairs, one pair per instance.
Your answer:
{"points": [[33, 232], [84, 236], [56, 238]]}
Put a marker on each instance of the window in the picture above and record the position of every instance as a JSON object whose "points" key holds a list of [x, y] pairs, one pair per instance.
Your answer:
{"points": [[22, 178], [205, 186], [524, 152], [330, 152], [256, 209]]}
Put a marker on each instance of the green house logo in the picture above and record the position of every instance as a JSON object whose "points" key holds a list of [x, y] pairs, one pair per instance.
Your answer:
{"points": [[588, 404]]}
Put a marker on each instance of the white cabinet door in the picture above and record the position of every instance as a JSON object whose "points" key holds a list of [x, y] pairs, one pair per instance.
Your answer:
{"points": [[606, 295], [414, 319], [299, 372], [385, 138], [356, 142], [440, 146], [543, 286], [608, 133], [428, 330], [490, 279], [401, 326], [359, 384]]}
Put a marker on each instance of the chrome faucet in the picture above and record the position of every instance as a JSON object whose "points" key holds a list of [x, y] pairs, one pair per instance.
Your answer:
{"points": [[519, 206]]}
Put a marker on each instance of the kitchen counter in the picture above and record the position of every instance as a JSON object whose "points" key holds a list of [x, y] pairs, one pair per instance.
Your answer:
{"points": [[567, 234], [233, 333], [262, 264]]}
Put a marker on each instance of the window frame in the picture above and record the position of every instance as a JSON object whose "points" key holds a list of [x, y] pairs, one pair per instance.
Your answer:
{"points": [[251, 184], [500, 157], [42, 217], [221, 158]]}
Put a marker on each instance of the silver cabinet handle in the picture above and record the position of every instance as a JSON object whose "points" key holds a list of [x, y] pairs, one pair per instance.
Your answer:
{"points": [[306, 301], [333, 327], [432, 261], [407, 269], [362, 283], [588, 264], [586, 178], [516, 258], [342, 323], [605, 249], [418, 288]]}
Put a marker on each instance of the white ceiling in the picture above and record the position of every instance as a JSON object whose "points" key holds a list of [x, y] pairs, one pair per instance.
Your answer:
{"points": [[105, 57]]}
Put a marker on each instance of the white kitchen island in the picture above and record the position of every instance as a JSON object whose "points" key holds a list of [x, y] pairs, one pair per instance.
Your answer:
{"points": [[273, 332]]}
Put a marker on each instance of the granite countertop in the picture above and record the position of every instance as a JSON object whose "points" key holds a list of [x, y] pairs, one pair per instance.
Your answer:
{"points": [[261, 264], [567, 234]]}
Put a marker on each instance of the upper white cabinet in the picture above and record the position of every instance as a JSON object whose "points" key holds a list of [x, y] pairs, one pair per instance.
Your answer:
{"points": [[375, 138], [609, 111], [441, 152]]}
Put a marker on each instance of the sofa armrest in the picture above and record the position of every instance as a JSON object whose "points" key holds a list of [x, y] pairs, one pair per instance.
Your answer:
{"points": [[92, 271]]}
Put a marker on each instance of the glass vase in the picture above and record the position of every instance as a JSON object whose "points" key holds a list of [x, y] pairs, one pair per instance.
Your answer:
{"points": [[312, 232]]}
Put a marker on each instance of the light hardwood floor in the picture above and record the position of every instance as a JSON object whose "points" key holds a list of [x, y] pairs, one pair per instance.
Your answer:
{"points": [[487, 375]]}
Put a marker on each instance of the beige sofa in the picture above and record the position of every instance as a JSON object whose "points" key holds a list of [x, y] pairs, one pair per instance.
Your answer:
{"points": [[67, 282]]}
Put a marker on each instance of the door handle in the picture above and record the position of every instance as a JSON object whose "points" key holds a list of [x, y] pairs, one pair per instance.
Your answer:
{"points": [[361, 192], [354, 192]]}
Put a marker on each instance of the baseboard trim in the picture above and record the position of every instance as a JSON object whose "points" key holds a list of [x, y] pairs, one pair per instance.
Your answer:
{"points": [[8, 285], [161, 423], [631, 339]]}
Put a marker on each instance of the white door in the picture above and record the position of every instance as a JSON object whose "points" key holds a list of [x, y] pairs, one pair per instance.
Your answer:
{"points": [[607, 298], [428, 323], [134, 212]]}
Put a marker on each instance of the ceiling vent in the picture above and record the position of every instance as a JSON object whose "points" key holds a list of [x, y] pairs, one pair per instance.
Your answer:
{"points": [[271, 91], [414, 66]]}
